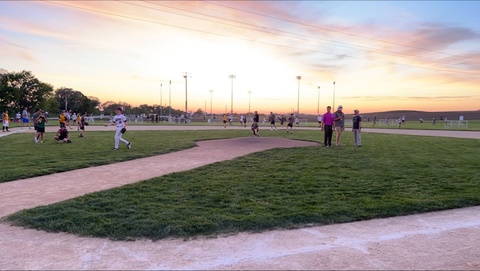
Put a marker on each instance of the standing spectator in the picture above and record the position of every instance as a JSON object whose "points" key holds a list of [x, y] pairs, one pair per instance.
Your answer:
{"points": [[230, 119], [18, 117], [357, 128], [434, 122], [6, 120], [62, 119], [403, 119], [74, 118], [244, 121], [327, 127], [291, 120], [271, 118], [25, 118], [339, 124], [399, 120], [40, 121], [79, 120], [319, 119], [374, 120], [68, 119], [82, 123], [241, 120]]}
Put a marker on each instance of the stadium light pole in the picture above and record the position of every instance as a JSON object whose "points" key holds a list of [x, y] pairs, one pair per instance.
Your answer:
{"points": [[211, 114], [161, 86], [232, 76], [333, 96], [170, 98], [298, 98], [318, 102], [186, 75], [249, 98]]}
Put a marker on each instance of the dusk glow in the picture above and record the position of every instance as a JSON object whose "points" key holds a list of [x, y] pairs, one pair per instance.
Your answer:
{"points": [[383, 55]]}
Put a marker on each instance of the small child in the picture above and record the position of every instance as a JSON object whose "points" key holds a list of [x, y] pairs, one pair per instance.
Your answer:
{"points": [[255, 129]]}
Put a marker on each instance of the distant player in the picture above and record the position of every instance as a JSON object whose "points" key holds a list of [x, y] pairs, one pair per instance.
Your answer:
{"points": [[291, 119], [121, 121], [6, 119]]}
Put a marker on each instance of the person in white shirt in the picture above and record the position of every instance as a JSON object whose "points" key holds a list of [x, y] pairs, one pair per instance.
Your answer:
{"points": [[121, 121], [319, 119]]}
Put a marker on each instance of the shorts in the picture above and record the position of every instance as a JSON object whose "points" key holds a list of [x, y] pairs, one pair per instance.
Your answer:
{"points": [[40, 130], [224, 121], [25, 120], [5, 123], [82, 128], [62, 124], [290, 125], [272, 122], [339, 129]]}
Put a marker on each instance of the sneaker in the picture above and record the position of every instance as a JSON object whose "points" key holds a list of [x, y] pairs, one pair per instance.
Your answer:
{"points": [[129, 145], [115, 149], [41, 142], [35, 139]]}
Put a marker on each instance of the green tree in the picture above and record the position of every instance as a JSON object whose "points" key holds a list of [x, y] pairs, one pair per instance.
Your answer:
{"points": [[23, 89]]}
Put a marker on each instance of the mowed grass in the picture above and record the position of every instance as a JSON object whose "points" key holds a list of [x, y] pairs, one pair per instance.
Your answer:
{"points": [[389, 175], [22, 158]]}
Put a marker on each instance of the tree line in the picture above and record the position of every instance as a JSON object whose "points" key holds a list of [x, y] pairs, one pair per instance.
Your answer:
{"points": [[22, 89]]}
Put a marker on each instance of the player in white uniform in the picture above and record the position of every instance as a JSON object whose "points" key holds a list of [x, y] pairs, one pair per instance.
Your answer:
{"points": [[121, 121]]}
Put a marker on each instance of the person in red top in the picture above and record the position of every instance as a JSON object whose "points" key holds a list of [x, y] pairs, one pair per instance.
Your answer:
{"points": [[327, 127]]}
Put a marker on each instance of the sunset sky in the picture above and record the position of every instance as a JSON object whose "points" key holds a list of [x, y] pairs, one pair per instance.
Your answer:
{"points": [[383, 55]]}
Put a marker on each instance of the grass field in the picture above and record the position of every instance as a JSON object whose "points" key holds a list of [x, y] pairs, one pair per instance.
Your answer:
{"points": [[473, 125], [390, 175]]}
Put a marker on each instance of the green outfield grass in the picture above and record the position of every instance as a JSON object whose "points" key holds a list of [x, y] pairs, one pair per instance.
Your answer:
{"points": [[389, 175]]}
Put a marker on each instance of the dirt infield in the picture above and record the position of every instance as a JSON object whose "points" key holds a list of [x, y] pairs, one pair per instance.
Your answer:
{"points": [[440, 240]]}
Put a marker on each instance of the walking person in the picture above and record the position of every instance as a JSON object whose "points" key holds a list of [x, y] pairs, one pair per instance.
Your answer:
{"points": [[272, 121], [121, 121], [357, 128], [6, 120], [25, 118], [81, 124], [244, 121], [291, 120], [339, 124], [327, 127]]}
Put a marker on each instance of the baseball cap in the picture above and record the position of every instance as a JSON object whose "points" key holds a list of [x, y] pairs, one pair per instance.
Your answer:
{"points": [[119, 108], [340, 107]]}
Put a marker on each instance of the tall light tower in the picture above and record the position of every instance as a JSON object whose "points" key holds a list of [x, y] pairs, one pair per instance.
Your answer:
{"points": [[232, 76], [249, 96], [318, 102], [186, 75], [161, 85], [211, 114], [170, 98], [333, 96], [298, 98]]}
